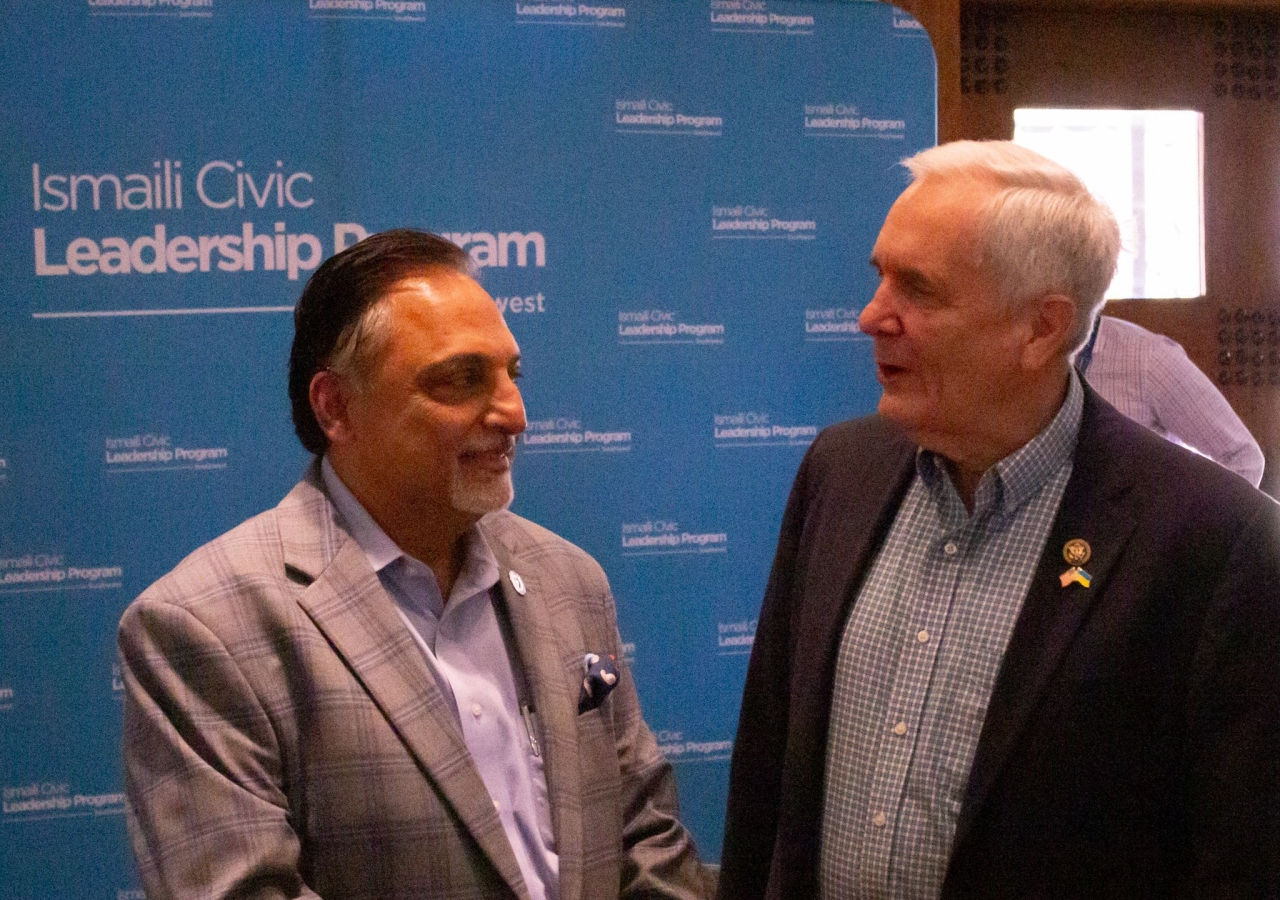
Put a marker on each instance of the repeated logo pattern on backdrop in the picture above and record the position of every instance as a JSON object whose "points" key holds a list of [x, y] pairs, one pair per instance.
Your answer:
{"points": [[673, 203]]}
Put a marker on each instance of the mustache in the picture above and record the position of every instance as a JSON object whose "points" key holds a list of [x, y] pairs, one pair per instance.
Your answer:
{"points": [[505, 444]]}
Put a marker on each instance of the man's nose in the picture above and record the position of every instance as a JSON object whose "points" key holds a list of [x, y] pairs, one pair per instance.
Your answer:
{"points": [[877, 317], [506, 410]]}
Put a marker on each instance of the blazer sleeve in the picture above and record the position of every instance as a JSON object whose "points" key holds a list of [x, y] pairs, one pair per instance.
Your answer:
{"points": [[1233, 764], [207, 811], [755, 777]]}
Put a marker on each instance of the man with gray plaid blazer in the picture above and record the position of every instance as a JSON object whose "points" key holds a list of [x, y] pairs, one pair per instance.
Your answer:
{"points": [[388, 686]]}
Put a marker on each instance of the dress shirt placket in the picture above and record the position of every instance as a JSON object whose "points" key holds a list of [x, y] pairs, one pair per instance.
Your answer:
{"points": [[928, 611], [854, 856], [465, 651], [949, 578]]}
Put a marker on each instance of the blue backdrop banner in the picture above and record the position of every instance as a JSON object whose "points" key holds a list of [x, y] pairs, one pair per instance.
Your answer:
{"points": [[673, 202]]}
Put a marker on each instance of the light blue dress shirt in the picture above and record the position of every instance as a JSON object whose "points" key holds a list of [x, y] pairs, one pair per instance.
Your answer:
{"points": [[463, 645]]}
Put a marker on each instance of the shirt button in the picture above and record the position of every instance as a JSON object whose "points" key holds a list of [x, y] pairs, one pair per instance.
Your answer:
{"points": [[922, 636], [950, 548], [476, 709], [497, 806], [879, 820], [900, 728]]}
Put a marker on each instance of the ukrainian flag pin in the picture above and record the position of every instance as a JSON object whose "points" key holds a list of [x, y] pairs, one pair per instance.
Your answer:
{"points": [[1076, 552]]}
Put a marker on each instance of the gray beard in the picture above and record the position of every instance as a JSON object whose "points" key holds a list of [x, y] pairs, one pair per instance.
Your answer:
{"points": [[481, 496]]}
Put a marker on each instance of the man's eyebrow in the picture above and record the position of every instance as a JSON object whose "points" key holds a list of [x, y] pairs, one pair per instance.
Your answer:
{"points": [[453, 363], [912, 276], [915, 278], [462, 361]]}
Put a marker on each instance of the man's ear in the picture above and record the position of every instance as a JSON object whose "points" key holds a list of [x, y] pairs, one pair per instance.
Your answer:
{"points": [[1053, 317], [329, 396]]}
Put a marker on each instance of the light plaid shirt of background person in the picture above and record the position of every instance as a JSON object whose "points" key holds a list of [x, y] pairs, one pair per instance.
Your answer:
{"points": [[918, 661], [1149, 378]]}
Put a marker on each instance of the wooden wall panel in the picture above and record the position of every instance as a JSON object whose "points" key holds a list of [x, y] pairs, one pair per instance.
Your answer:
{"points": [[941, 18]]}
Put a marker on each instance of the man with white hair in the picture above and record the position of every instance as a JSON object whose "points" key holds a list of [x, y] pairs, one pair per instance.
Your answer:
{"points": [[1013, 644]]}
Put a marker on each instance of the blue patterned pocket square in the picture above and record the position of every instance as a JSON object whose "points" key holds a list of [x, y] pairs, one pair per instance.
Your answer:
{"points": [[600, 677]]}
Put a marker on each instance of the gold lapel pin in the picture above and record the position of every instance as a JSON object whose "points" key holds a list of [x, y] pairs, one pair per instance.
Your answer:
{"points": [[1076, 552]]}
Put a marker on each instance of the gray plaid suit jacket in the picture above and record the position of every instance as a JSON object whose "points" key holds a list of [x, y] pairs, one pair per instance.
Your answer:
{"points": [[284, 737]]}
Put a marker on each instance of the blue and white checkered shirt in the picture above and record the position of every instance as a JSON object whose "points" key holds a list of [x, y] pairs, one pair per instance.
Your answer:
{"points": [[918, 662]]}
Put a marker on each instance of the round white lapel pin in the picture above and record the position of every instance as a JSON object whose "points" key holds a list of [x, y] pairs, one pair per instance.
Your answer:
{"points": [[516, 582]]}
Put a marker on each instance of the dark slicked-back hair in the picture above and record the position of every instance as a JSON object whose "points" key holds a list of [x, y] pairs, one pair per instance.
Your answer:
{"points": [[340, 297]]}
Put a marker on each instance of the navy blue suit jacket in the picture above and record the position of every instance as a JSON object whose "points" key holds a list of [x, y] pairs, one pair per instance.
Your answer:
{"points": [[1131, 748]]}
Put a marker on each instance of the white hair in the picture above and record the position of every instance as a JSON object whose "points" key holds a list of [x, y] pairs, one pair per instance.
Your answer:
{"points": [[361, 344], [1042, 233]]}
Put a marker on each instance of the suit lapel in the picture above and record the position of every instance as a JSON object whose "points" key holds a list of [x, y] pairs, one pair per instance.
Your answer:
{"points": [[541, 656], [847, 495], [1093, 508], [349, 605], [849, 533]]}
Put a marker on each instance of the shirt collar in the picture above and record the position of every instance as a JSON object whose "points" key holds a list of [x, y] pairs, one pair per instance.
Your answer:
{"points": [[479, 570], [1020, 475]]}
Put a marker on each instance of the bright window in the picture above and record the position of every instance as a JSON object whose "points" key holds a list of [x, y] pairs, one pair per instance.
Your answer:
{"points": [[1148, 165]]}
